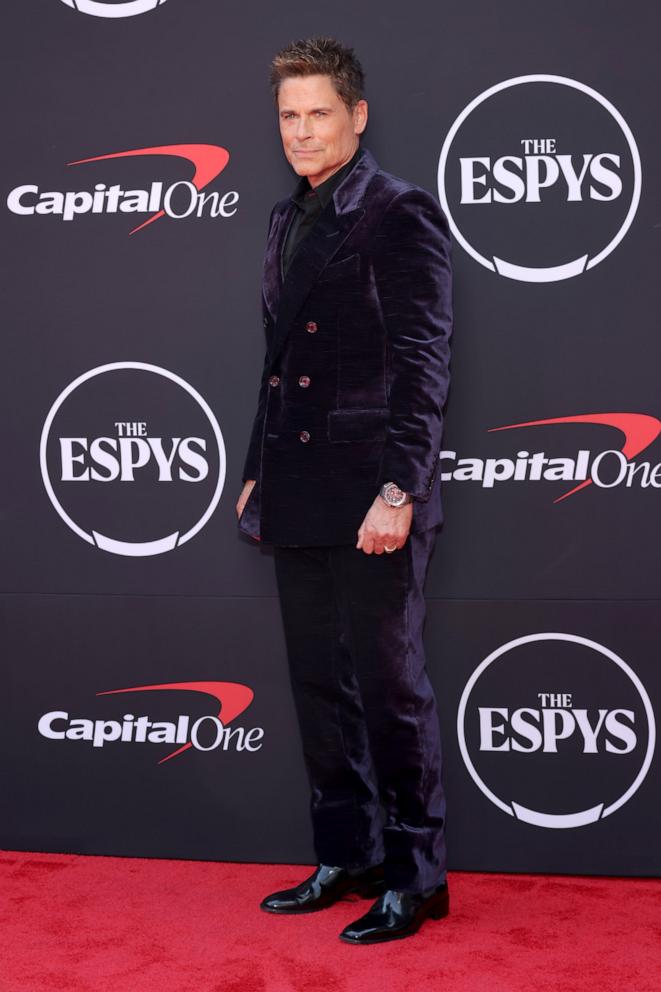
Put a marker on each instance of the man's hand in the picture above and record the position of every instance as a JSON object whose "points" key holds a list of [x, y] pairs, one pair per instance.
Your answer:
{"points": [[384, 527], [243, 498]]}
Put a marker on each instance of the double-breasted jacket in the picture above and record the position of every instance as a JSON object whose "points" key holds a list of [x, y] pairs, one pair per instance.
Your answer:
{"points": [[356, 372]]}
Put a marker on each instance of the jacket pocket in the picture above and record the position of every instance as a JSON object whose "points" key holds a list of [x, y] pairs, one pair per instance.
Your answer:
{"points": [[357, 425], [336, 270]]}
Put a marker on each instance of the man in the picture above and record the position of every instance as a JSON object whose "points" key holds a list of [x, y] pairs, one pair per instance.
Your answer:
{"points": [[342, 478]]}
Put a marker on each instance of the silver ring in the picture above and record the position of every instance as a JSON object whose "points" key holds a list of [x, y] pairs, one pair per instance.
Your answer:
{"points": [[389, 551]]}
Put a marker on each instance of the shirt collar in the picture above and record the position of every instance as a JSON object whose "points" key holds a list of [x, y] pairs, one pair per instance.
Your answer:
{"points": [[323, 193]]}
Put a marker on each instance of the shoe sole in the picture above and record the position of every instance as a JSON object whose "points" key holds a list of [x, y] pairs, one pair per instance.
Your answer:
{"points": [[437, 911]]}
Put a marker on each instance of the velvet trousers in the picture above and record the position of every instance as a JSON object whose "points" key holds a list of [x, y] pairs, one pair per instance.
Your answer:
{"points": [[366, 709]]}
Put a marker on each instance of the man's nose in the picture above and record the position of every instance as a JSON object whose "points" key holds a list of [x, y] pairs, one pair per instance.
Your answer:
{"points": [[303, 129]]}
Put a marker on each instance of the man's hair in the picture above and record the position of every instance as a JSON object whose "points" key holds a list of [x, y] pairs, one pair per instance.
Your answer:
{"points": [[320, 57]]}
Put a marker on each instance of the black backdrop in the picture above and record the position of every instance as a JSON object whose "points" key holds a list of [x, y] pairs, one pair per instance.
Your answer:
{"points": [[163, 329]]}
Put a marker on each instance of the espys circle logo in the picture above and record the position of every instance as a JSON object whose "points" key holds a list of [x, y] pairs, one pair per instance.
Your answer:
{"points": [[556, 730], [113, 8], [132, 458], [540, 178]]}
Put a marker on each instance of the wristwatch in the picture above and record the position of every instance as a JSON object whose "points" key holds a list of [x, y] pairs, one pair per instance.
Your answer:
{"points": [[393, 495]]}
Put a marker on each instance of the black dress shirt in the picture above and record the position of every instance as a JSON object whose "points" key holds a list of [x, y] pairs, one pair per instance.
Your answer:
{"points": [[310, 202]]}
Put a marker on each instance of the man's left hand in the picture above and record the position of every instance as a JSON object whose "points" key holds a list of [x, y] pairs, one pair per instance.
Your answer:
{"points": [[384, 527]]}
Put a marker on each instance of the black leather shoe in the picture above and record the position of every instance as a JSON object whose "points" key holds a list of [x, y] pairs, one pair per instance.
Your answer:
{"points": [[324, 887], [397, 914]]}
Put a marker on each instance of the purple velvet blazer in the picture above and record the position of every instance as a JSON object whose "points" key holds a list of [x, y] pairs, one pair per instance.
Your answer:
{"points": [[356, 368]]}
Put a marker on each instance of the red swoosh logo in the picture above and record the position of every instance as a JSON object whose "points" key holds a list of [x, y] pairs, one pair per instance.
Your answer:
{"points": [[208, 162], [639, 430], [233, 698]]}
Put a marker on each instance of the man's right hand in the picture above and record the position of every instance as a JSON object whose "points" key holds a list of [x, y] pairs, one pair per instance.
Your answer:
{"points": [[243, 498]]}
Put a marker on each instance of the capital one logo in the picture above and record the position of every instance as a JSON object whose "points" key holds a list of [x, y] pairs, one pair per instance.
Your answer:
{"points": [[132, 459], [540, 178], [206, 732], [113, 8], [181, 199], [606, 467], [556, 730]]}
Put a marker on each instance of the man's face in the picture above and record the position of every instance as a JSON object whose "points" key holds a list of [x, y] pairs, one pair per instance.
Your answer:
{"points": [[319, 132]]}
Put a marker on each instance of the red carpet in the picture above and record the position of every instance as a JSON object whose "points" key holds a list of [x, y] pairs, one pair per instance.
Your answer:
{"points": [[95, 924]]}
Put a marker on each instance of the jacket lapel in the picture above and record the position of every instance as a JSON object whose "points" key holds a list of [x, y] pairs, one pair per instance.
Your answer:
{"points": [[272, 278], [334, 225]]}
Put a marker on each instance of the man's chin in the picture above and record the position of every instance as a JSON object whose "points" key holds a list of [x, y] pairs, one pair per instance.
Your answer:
{"points": [[305, 168], [307, 165]]}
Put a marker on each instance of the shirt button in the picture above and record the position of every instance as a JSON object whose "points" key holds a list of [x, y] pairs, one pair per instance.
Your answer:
{"points": [[311, 326], [274, 380], [304, 436], [304, 381]]}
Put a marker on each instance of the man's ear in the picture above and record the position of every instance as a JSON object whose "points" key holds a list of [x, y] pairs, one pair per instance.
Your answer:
{"points": [[360, 113]]}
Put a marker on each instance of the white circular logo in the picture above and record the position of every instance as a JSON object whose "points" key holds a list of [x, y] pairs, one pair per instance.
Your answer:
{"points": [[540, 178], [120, 8], [132, 458], [561, 723]]}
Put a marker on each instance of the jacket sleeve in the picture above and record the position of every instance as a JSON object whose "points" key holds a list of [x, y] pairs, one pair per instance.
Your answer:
{"points": [[252, 462], [413, 275], [253, 457]]}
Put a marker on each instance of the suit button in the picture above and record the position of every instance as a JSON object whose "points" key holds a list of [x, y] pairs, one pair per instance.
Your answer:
{"points": [[304, 436], [274, 380], [311, 327], [265, 322], [304, 381]]}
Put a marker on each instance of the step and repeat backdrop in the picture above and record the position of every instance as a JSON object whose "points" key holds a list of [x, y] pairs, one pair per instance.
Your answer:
{"points": [[146, 708]]}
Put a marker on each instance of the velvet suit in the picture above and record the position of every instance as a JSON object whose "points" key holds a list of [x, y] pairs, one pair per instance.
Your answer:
{"points": [[351, 395]]}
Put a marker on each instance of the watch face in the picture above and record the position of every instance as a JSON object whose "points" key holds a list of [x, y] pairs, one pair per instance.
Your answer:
{"points": [[393, 494]]}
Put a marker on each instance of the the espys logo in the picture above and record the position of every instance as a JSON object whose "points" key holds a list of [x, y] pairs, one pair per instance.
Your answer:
{"points": [[540, 178], [206, 732], [132, 458], [178, 200], [608, 468], [113, 8], [556, 730]]}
